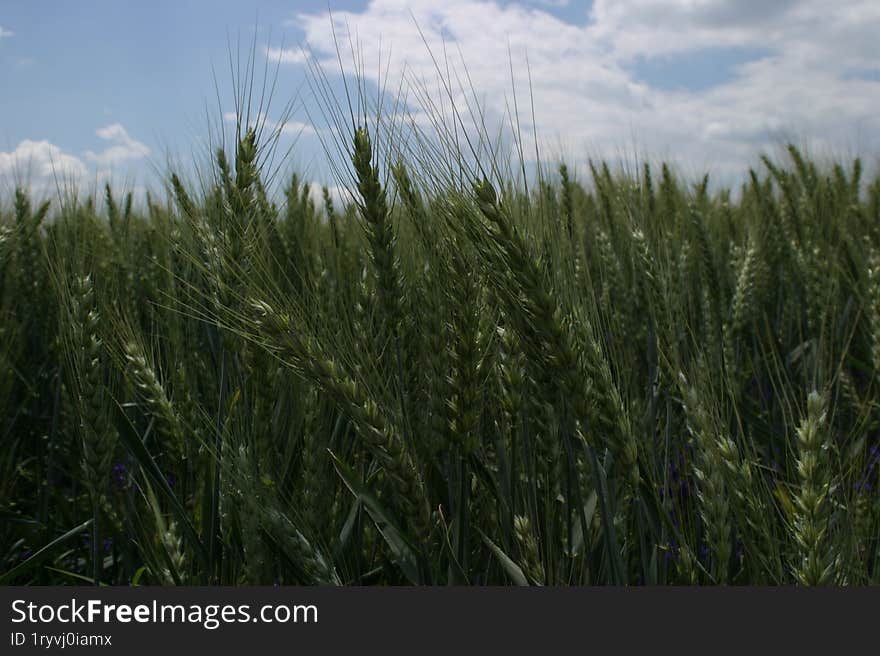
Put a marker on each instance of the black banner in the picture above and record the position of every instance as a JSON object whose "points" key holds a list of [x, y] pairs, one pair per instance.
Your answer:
{"points": [[413, 620]]}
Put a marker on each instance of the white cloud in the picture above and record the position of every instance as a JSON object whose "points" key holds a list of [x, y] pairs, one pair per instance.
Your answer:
{"points": [[807, 30], [286, 55], [340, 196], [46, 167], [585, 94], [294, 128], [42, 160], [123, 147], [289, 127], [4, 33]]}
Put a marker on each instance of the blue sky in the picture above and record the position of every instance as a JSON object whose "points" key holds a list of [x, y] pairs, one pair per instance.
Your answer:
{"points": [[104, 89], [70, 69]]}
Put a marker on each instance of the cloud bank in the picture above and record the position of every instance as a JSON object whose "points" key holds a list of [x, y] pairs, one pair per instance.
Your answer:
{"points": [[806, 71], [45, 166], [122, 147]]}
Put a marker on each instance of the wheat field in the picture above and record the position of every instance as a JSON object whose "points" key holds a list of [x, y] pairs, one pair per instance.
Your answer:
{"points": [[445, 376]]}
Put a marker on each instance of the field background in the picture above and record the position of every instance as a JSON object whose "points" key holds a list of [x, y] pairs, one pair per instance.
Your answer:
{"points": [[444, 375]]}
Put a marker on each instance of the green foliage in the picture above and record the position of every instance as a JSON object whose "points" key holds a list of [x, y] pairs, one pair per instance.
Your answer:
{"points": [[636, 382]]}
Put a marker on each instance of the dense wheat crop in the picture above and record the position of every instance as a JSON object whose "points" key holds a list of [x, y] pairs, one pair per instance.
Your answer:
{"points": [[627, 379]]}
